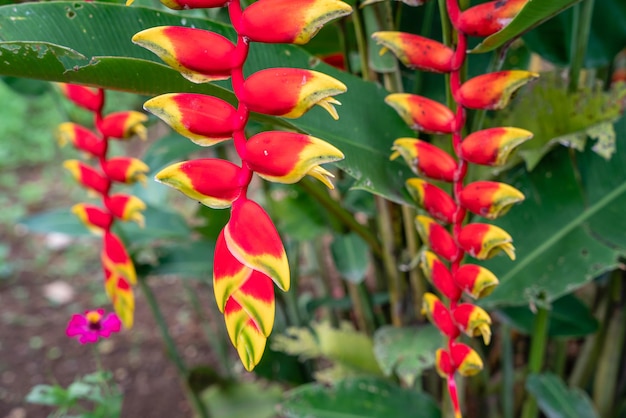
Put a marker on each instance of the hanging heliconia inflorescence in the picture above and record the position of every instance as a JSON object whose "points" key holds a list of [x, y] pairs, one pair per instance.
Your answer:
{"points": [[119, 270], [249, 254], [443, 263]]}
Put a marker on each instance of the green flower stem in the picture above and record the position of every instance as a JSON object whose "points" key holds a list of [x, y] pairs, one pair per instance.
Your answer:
{"points": [[560, 356], [291, 298], [172, 351], [217, 344], [535, 359], [418, 283], [508, 372], [342, 215], [446, 31], [607, 370], [361, 43], [581, 25]]}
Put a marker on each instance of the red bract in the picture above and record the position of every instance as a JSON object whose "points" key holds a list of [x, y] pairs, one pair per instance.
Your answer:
{"points": [[88, 176], [436, 202], [493, 146], [416, 51], [488, 18], [123, 125], [85, 97], [422, 114], [249, 255], [425, 159], [81, 138]]}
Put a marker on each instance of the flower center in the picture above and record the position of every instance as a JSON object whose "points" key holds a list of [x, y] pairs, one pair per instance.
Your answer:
{"points": [[93, 318]]}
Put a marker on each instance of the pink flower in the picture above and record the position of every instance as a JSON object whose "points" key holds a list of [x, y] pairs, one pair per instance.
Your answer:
{"points": [[92, 325]]}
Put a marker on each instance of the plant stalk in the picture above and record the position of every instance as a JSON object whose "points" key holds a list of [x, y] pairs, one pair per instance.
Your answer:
{"points": [[581, 26], [508, 372], [170, 346], [535, 359]]}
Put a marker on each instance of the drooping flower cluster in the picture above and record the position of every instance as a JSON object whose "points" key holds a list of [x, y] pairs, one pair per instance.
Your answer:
{"points": [[443, 263], [249, 254], [92, 326], [119, 271]]}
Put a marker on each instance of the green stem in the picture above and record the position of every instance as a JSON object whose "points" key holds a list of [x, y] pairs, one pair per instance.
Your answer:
{"points": [[291, 298], [361, 44], [170, 346], [581, 25], [508, 372], [560, 356], [446, 31], [418, 283], [342, 215], [535, 359]]}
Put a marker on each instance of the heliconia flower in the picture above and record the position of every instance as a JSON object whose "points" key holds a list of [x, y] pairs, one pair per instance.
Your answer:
{"points": [[121, 296], [473, 320], [87, 176], [466, 361], [211, 181], [493, 91], [437, 237], [291, 92], [443, 363], [124, 125], [116, 259], [493, 146], [489, 199], [251, 289], [190, 4], [483, 241], [252, 239], [437, 202], [438, 314], [244, 334], [82, 138], [475, 280], [94, 218], [205, 120], [196, 61], [286, 157], [416, 51], [438, 274], [488, 18], [422, 114], [126, 170], [289, 21], [407, 2], [126, 207], [425, 159], [86, 97], [93, 325]]}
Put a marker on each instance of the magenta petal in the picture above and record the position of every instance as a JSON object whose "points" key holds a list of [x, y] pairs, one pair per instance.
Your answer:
{"points": [[109, 324]]}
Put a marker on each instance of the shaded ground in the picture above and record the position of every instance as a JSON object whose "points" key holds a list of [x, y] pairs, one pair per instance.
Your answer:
{"points": [[33, 316]]}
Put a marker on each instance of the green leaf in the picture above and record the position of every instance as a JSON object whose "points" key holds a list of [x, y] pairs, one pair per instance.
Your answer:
{"points": [[297, 213], [556, 400], [385, 63], [569, 317], [243, 400], [56, 220], [166, 150], [190, 260], [570, 228], [533, 14], [408, 351], [607, 35], [357, 398], [49, 395], [351, 256], [101, 33]]}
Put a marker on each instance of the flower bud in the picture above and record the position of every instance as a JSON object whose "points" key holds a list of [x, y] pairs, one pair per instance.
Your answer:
{"points": [[205, 120], [126, 170], [213, 182], [291, 92], [208, 57], [465, 359], [123, 125], [252, 239], [422, 114], [115, 258], [425, 159], [488, 18], [244, 334], [475, 280], [88, 176], [439, 315], [126, 207], [289, 21], [489, 199], [94, 218], [437, 237], [82, 138], [493, 146], [437, 202], [88, 98], [416, 51], [121, 296], [483, 241], [286, 157], [443, 363], [438, 274], [493, 91], [473, 320]]}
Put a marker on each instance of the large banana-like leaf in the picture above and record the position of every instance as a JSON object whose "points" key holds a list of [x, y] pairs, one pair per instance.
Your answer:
{"points": [[570, 229], [90, 43]]}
